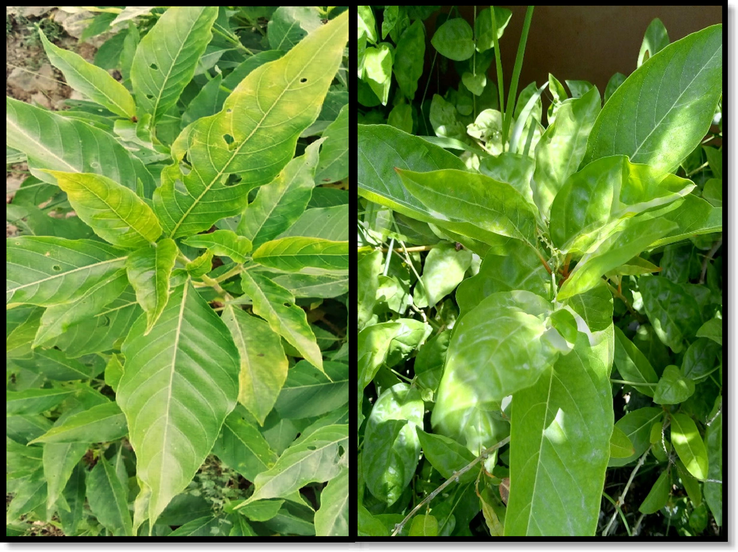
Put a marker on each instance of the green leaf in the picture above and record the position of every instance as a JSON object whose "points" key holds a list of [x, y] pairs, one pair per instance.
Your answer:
{"points": [[712, 329], [261, 510], [454, 39], [308, 393], [655, 40], [74, 494], [689, 445], [694, 216], [318, 285], [90, 81], [691, 485], [328, 223], [107, 499], [562, 147], [228, 149], [279, 204], [409, 58], [180, 383], [378, 70], [263, 362], [490, 206], [391, 446], [114, 212], [201, 265], [714, 491], [242, 447], [288, 25], [679, 113], [316, 459], [483, 26], [167, 56], [657, 496], [674, 313], [367, 24], [30, 495], [331, 519], [613, 84], [604, 193], [443, 270], [99, 424], [224, 243], [34, 401], [54, 365], [207, 526], [52, 141], [446, 455], [368, 272], [560, 445], [637, 426], [673, 387], [334, 153], [620, 444], [59, 463], [295, 253], [424, 526], [277, 306], [633, 364], [149, 269]]}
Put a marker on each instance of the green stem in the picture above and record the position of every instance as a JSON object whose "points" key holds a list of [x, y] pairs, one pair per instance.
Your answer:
{"points": [[632, 383], [498, 63], [512, 93]]}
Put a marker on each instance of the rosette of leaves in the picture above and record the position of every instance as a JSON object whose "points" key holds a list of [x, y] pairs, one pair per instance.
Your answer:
{"points": [[559, 285], [193, 311]]}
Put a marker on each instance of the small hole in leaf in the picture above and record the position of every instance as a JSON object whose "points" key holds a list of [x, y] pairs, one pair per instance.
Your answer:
{"points": [[260, 354], [311, 447], [303, 80], [229, 111], [288, 305], [232, 180], [150, 96], [230, 141], [56, 267], [340, 451], [154, 67]]}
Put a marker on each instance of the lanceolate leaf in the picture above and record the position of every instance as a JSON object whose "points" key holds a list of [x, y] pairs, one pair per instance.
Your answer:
{"points": [[689, 445], [243, 448], [331, 519], [633, 364], [99, 424], [59, 462], [91, 80], [263, 362], [664, 109], [559, 445], [114, 212], [47, 271], [281, 202], [316, 459], [167, 56], [334, 153], [34, 401], [252, 138], [277, 306], [149, 269], [108, 499], [52, 141], [180, 383], [294, 253], [223, 242]]}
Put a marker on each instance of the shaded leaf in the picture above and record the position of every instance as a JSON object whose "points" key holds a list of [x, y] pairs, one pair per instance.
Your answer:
{"points": [[149, 269]]}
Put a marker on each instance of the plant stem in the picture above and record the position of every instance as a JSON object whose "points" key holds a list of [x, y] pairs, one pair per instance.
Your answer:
{"points": [[454, 478], [208, 280], [498, 64], [621, 500], [235, 270], [708, 258], [632, 383], [512, 93], [619, 511], [698, 169]]}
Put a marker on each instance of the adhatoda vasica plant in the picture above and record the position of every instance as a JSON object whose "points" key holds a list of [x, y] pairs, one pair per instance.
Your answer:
{"points": [[165, 324], [539, 306]]}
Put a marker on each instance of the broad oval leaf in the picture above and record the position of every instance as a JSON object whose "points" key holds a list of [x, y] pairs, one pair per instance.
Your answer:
{"points": [[223, 242], [454, 39], [334, 162], [252, 138], [443, 270], [295, 253], [409, 58], [90, 80], [149, 269], [673, 387], [101, 423], [166, 58], [664, 108], [180, 383], [689, 445]]}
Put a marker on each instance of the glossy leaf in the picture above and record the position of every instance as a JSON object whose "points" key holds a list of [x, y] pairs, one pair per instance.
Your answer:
{"points": [[443, 270], [263, 362], [620, 444], [279, 204], [316, 459], [633, 364], [108, 499], [673, 387], [409, 57], [245, 150], [454, 39], [559, 445], [167, 56], [180, 383], [657, 496], [99, 424], [331, 519], [637, 426], [295, 253], [713, 490], [334, 162], [224, 243], [276, 305], [655, 40], [242, 447], [90, 80], [659, 124], [149, 269], [689, 445], [114, 212], [54, 142], [674, 313], [712, 329]]}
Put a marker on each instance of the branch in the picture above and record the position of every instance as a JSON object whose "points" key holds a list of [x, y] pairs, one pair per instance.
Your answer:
{"points": [[454, 478], [708, 258], [621, 500]]}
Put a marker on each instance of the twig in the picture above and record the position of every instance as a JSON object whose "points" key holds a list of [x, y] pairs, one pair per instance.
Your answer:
{"points": [[621, 500], [637, 529], [454, 478], [708, 258]]}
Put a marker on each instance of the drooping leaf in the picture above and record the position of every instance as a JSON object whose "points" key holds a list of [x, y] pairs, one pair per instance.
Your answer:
{"points": [[633, 364], [167, 56], [689, 445], [409, 57], [99, 424], [294, 253], [108, 499], [673, 387], [331, 519], [242, 447], [180, 383], [90, 80], [657, 496], [149, 269], [59, 463], [223, 242], [334, 159], [263, 362], [276, 305], [236, 150], [678, 114]]}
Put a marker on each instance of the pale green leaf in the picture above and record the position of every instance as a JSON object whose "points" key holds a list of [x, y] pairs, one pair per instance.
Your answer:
{"points": [[637, 426], [180, 383], [149, 269], [108, 499], [242, 447], [295, 253], [443, 270], [331, 519], [712, 329], [34, 401], [655, 40], [99, 424], [633, 364], [689, 445], [223, 242], [673, 387], [483, 26], [201, 265], [620, 444], [334, 158], [424, 525], [328, 223], [59, 462]]}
